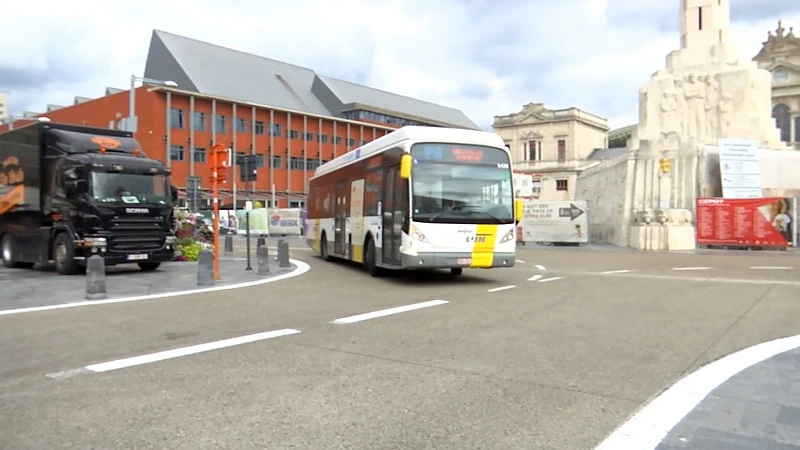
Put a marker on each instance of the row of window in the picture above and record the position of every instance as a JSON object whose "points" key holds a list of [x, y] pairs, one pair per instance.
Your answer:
{"points": [[220, 126], [382, 118], [179, 153], [783, 121], [533, 150]]}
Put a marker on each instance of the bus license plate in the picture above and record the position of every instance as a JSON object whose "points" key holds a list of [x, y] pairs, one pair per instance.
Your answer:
{"points": [[464, 261], [138, 257]]}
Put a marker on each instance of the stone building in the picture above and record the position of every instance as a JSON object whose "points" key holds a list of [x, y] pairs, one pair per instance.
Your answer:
{"points": [[552, 145], [780, 55]]}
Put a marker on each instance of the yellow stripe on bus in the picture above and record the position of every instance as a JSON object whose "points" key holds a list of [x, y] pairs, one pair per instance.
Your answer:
{"points": [[483, 248]]}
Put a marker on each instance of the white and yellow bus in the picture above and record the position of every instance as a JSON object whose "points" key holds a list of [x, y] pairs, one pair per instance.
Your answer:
{"points": [[417, 198]]}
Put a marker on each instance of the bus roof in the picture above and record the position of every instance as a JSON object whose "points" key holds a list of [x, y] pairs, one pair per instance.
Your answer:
{"points": [[412, 133]]}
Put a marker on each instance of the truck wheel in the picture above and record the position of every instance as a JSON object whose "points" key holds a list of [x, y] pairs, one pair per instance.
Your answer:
{"points": [[149, 266], [64, 255], [373, 270], [7, 255]]}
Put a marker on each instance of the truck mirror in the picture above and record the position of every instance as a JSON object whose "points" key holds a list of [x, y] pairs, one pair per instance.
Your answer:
{"points": [[71, 189], [173, 191]]}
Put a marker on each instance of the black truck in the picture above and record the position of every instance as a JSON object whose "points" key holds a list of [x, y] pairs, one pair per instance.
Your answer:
{"points": [[69, 192]]}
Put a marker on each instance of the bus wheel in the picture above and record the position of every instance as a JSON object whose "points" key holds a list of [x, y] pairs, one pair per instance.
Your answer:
{"points": [[456, 271], [373, 270], [323, 247]]}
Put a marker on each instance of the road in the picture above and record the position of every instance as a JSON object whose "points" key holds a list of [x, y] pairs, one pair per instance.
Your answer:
{"points": [[554, 353]]}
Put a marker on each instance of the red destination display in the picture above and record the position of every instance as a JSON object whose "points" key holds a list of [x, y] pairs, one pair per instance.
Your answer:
{"points": [[762, 222], [468, 154]]}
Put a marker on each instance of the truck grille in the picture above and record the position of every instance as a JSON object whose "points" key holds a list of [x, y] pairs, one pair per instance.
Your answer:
{"points": [[136, 234]]}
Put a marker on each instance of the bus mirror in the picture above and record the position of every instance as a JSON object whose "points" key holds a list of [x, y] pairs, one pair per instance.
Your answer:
{"points": [[405, 166], [519, 209]]}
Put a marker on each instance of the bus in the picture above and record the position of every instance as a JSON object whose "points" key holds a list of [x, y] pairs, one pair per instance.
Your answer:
{"points": [[417, 198]]}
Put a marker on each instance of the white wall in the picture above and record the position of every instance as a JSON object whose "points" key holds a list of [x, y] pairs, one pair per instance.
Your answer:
{"points": [[605, 187]]}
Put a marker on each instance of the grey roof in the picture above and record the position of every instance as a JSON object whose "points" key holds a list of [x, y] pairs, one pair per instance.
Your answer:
{"points": [[113, 90], [219, 71], [606, 153], [53, 107], [79, 99]]}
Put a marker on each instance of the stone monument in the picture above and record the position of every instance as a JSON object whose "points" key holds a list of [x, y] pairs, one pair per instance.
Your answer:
{"points": [[706, 92]]}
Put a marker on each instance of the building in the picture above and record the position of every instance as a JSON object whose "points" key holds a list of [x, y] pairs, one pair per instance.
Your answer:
{"points": [[291, 118], [780, 54], [552, 145], [3, 106]]}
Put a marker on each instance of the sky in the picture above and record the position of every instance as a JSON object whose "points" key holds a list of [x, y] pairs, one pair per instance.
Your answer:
{"points": [[484, 57]]}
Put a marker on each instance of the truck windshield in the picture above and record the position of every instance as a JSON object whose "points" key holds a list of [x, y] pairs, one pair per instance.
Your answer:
{"points": [[130, 188], [465, 185]]}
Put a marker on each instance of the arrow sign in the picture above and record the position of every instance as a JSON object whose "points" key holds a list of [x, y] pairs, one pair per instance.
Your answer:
{"points": [[573, 212]]}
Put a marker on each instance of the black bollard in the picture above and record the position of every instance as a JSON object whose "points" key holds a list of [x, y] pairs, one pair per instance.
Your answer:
{"points": [[283, 254], [96, 278], [228, 244], [260, 241], [205, 268], [262, 260], [247, 238]]}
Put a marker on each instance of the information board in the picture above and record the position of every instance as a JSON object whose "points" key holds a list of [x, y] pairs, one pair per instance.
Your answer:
{"points": [[555, 221], [739, 168], [761, 222]]}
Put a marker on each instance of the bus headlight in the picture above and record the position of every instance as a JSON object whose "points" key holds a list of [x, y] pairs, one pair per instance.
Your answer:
{"points": [[416, 234], [508, 237]]}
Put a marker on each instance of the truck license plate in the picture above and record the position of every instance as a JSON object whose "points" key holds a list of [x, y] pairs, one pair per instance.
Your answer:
{"points": [[464, 261], [138, 257]]}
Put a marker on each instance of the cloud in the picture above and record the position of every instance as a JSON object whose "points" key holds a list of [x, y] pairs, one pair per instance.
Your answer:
{"points": [[486, 57]]}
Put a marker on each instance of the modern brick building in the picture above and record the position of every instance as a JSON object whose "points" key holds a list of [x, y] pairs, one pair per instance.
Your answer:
{"points": [[291, 117]]}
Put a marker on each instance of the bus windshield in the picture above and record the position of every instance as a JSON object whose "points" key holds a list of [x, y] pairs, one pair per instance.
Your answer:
{"points": [[461, 184]]}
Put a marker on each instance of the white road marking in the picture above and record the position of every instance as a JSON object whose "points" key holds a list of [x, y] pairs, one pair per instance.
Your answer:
{"points": [[771, 267], [301, 269], [520, 261], [540, 267], [549, 279], [184, 351], [388, 312], [691, 268], [534, 278], [170, 354], [646, 429], [501, 288], [609, 272]]}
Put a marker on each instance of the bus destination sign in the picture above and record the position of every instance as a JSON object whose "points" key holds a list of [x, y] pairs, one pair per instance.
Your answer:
{"points": [[458, 153]]}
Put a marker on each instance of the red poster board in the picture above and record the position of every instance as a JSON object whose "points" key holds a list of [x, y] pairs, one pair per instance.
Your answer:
{"points": [[762, 222]]}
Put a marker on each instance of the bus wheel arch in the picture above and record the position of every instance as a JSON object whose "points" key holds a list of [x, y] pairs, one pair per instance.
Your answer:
{"points": [[323, 246], [369, 256]]}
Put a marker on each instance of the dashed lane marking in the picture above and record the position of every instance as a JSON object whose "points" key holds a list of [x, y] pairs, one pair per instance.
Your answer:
{"points": [[501, 288], [388, 312], [609, 272], [690, 268], [520, 261], [546, 280], [540, 267], [771, 267], [535, 277]]}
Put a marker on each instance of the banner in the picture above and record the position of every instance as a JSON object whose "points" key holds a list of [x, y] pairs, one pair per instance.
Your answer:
{"points": [[258, 221], [555, 221], [284, 221], [762, 222]]}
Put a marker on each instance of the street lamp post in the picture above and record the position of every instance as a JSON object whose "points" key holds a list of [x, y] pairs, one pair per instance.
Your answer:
{"points": [[132, 122]]}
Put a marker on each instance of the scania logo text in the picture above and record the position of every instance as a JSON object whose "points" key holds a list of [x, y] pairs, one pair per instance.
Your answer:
{"points": [[137, 210]]}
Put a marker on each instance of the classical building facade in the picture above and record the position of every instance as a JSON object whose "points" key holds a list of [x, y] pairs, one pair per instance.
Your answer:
{"points": [[3, 106], [552, 145], [780, 54]]}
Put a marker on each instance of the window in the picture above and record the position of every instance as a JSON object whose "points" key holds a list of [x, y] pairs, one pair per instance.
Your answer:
{"points": [[219, 124], [276, 162], [372, 192], [338, 140], [309, 136], [275, 129], [351, 142], [382, 118], [176, 152], [292, 134], [199, 121], [797, 129], [199, 155], [781, 115], [296, 163], [562, 150], [259, 125], [562, 185], [241, 125], [363, 142], [532, 154], [323, 138], [176, 118], [312, 164], [260, 160]]}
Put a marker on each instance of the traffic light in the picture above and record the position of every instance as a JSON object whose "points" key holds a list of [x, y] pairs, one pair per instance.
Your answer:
{"points": [[666, 165], [218, 163], [248, 167]]}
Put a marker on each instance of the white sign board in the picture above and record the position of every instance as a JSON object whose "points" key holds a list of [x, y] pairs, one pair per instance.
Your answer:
{"points": [[284, 221], [555, 221], [739, 168]]}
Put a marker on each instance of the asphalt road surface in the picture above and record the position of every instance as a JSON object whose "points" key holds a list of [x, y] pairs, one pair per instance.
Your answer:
{"points": [[554, 353]]}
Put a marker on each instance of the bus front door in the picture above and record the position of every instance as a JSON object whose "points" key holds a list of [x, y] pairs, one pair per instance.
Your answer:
{"points": [[392, 215], [340, 219]]}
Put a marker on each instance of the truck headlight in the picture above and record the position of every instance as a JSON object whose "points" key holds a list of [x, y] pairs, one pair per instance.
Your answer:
{"points": [[95, 242], [508, 236], [170, 240]]}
